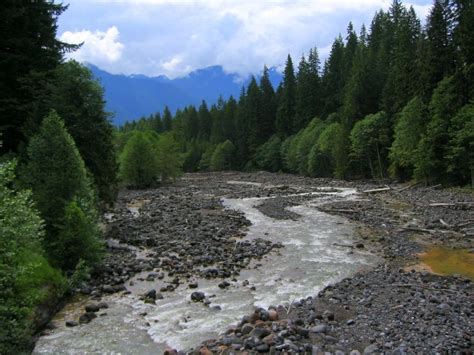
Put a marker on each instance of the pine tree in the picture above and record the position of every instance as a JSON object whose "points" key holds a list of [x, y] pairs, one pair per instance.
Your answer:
{"points": [[307, 93], [78, 99], [333, 78], [57, 175], [266, 125], [29, 54], [167, 120], [287, 102], [205, 122], [253, 111]]}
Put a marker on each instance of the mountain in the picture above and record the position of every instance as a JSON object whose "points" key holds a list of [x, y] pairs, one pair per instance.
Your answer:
{"points": [[133, 96]]}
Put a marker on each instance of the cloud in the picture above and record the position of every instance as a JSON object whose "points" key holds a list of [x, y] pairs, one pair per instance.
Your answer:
{"points": [[175, 37], [98, 47]]}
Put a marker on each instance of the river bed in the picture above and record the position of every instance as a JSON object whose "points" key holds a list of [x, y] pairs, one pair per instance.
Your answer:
{"points": [[315, 254]]}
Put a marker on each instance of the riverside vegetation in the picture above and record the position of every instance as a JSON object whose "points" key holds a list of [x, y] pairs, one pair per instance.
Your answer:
{"points": [[395, 100]]}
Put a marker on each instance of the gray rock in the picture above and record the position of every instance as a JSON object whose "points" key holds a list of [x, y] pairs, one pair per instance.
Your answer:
{"points": [[71, 323], [321, 328]]}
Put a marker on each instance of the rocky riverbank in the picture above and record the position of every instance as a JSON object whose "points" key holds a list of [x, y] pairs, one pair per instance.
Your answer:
{"points": [[177, 235]]}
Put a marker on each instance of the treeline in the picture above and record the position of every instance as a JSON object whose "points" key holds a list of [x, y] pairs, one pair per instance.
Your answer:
{"points": [[392, 100], [57, 170]]}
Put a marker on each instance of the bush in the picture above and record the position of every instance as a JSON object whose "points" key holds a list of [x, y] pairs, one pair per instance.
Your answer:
{"points": [[205, 163], [368, 139], [322, 157], [223, 156], [268, 155], [408, 129], [308, 139], [170, 160], [78, 239], [26, 278], [139, 161]]}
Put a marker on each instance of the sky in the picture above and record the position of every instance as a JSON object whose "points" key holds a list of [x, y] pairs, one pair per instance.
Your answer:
{"points": [[175, 37]]}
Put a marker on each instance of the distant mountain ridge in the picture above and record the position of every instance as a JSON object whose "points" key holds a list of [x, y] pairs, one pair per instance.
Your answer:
{"points": [[133, 96]]}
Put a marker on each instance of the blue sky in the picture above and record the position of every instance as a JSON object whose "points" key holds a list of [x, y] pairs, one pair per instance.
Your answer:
{"points": [[165, 37]]}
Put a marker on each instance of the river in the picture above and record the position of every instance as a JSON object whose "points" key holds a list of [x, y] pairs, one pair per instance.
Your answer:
{"points": [[314, 255]]}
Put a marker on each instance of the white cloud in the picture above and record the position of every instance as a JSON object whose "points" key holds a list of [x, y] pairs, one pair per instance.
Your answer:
{"points": [[174, 37], [98, 47]]}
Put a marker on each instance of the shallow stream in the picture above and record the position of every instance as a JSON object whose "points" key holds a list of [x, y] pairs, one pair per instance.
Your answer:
{"points": [[315, 254]]}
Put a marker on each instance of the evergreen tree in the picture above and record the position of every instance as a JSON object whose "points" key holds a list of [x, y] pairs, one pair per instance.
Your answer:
{"points": [[333, 78], [307, 93], [205, 122], [156, 123], [78, 99], [29, 54], [266, 124], [287, 102], [253, 108], [167, 120], [56, 173]]}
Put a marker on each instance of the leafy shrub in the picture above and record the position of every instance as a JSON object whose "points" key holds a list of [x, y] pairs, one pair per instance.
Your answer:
{"points": [[26, 278], [139, 162], [268, 154], [223, 156]]}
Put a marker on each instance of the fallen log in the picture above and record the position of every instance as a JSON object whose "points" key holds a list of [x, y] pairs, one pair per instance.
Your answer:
{"points": [[337, 210], [373, 191], [409, 187]]}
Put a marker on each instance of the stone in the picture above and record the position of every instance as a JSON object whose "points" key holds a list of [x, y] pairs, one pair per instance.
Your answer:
{"points": [[198, 296], [272, 315], [247, 328], [320, 328], [71, 323], [350, 322], [92, 307], [370, 349], [260, 332]]}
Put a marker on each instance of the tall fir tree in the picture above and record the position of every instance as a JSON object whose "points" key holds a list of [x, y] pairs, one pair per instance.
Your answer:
{"points": [[287, 102], [29, 53]]}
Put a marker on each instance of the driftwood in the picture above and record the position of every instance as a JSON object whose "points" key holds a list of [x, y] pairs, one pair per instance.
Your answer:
{"points": [[373, 191], [449, 204], [340, 210], [343, 245], [444, 223], [425, 288], [422, 230], [465, 224], [409, 187]]}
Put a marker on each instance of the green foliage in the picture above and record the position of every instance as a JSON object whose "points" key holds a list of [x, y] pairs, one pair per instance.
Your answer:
{"points": [[268, 155], [284, 120], [430, 164], [368, 139], [408, 129], [169, 158], [26, 278], [139, 162], [78, 99], [77, 239], [322, 156], [30, 53], [57, 175], [460, 152], [223, 156], [205, 163], [307, 140]]}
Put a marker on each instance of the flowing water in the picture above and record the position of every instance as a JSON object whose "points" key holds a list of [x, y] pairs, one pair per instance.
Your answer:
{"points": [[313, 256]]}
